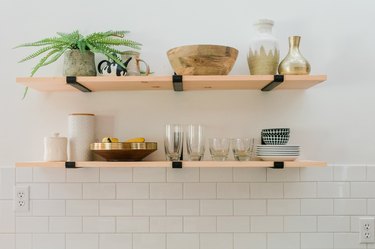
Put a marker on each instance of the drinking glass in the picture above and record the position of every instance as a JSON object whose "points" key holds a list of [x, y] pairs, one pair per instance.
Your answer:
{"points": [[242, 148], [173, 141], [195, 142], [219, 148]]}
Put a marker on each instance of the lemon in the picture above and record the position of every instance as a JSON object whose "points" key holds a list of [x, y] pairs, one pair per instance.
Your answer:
{"points": [[110, 140], [136, 140]]}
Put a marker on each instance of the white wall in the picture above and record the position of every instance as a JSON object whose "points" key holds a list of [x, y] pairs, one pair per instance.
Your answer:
{"points": [[332, 122]]}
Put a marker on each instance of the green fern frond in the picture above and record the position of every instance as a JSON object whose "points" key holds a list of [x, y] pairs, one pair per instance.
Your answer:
{"points": [[43, 60], [39, 52], [55, 57]]}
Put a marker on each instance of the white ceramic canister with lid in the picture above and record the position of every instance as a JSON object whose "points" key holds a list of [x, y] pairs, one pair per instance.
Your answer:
{"points": [[55, 148], [81, 133]]}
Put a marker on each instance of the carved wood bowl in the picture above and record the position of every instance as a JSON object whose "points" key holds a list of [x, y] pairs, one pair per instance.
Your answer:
{"points": [[202, 59], [123, 151]]}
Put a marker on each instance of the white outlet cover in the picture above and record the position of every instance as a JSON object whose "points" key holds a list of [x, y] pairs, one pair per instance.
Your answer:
{"points": [[367, 230], [21, 199]]}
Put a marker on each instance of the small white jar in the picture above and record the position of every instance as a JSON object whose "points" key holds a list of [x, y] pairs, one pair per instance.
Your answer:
{"points": [[55, 148]]}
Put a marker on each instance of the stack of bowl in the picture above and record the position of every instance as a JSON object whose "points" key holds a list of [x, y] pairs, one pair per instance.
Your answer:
{"points": [[279, 136]]}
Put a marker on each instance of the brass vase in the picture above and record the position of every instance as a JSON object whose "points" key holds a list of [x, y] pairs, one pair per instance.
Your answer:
{"points": [[294, 62]]}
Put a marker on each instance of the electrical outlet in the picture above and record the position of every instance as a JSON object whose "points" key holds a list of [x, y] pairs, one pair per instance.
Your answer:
{"points": [[367, 230], [21, 199]]}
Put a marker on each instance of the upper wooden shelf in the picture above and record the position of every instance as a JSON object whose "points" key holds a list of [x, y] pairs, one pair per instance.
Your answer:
{"points": [[194, 82], [168, 164]]}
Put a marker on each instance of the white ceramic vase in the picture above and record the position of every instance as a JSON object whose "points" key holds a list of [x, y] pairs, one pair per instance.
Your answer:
{"points": [[264, 53]]}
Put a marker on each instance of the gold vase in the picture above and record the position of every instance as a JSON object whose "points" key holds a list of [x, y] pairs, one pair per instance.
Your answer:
{"points": [[294, 62]]}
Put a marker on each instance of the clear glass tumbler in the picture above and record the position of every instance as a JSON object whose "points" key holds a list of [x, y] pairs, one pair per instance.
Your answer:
{"points": [[173, 140], [195, 142], [242, 148], [219, 148]]}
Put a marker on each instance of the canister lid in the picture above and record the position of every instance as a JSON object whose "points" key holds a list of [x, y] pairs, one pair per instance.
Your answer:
{"points": [[82, 114]]}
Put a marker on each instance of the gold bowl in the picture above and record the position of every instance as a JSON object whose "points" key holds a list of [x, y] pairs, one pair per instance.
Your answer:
{"points": [[123, 151]]}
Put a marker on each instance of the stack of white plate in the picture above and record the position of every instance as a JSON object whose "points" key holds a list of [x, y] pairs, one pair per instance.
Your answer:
{"points": [[278, 152]]}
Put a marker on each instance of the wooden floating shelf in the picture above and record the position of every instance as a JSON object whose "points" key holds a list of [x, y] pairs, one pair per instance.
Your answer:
{"points": [[190, 82], [168, 164]]}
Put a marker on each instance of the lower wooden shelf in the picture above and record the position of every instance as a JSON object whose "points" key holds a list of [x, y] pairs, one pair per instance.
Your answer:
{"points": [[168, 164]]}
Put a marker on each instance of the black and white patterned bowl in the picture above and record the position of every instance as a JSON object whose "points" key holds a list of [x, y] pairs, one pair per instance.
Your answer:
{"points": [[275, 139], [276, 131]]}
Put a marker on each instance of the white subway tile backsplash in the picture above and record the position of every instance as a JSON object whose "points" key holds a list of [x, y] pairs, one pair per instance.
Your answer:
{"points": [[266, 190], [182, 207], [300, 190], [250, 207], [370, 170], [8, 241], [362, 190], [250, 240], [7, 222], [300, 224], [115, 207], [233, 191], [267, 224], [283, 241], [283, 175], [317, 207], [347, 241], [371, 206], [216, 207], [24, 241], [322, 174], [149, 174], [199, 224], [39, 191], [65, 191], [132, 191], [82, 207], [49, 174], [283, 207], [24, 175], [334, 223], [115, 241], [216, 175], [7, 182], [350, 207], [316, 240], [65, 224], [183, 241], [233, 224], [249, 174], [82, 241], [166, 224], [48, 241], [99, 191], [82, 175], [166, 191], [183, 175], [149, 207], [349, 173], [333, 189], [116, 175], [354, 223], [199, 191], [31, 224], [149, 241], [216, 241], [99, 224], [133, 224], [48, 208]]}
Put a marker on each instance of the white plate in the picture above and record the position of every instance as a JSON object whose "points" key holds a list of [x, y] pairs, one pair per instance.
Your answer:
{"points": [[278, 154], [278, 158]]}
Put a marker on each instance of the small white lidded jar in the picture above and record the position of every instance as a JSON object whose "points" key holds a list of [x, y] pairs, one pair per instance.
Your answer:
{"points": [[55, 148]]}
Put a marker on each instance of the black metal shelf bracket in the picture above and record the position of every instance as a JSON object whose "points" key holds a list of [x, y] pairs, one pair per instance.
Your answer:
{"points": [[177, 83], [277, 80], [72, 80], [177, 165], [70, 165], [278, 165]]}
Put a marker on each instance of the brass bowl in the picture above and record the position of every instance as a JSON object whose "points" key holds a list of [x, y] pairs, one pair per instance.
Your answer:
{"points": [[202, 59], [123, 151]]}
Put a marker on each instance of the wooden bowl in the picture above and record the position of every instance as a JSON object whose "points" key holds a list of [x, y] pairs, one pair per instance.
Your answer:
{"points": [[123, 151], [202, 59]]}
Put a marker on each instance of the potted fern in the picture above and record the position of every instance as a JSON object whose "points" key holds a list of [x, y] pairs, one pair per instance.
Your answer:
{"points": [[78, 50]]}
